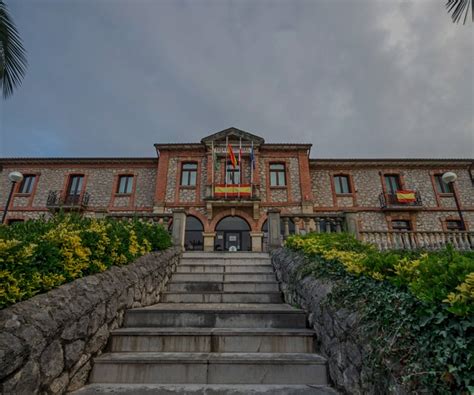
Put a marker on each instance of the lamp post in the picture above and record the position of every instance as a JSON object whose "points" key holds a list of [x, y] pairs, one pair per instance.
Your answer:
{"points": [[14, 177], [449, 178]]}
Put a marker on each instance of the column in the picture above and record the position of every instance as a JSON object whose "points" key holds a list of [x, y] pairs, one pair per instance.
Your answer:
{"points": [[209, 238], [256, 241], [286, 227], [274, 231], [179, 227], [352, 224]]}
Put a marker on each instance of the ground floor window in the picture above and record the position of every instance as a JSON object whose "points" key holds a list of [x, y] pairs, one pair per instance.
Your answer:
{"points": [[401, 225], [193, 238]]}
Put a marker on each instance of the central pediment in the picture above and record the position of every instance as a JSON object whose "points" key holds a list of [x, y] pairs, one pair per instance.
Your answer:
{"points": [[233, 135]]}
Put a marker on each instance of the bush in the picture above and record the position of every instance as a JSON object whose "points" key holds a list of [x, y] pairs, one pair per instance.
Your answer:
{"points": [[36, 256], [416, 307]]}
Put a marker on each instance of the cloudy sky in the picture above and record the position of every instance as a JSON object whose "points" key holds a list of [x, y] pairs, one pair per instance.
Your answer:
{"points": [[355, 78]]}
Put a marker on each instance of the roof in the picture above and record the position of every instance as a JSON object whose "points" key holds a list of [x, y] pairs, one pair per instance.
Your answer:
{"points": [[376, 162], [83, 160], [233, 132]]}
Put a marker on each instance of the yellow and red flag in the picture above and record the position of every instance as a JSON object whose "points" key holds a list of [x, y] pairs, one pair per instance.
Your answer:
{"points": [[405, 196], [232, 157]]}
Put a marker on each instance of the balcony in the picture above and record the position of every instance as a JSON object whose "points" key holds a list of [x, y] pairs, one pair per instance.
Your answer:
{"points": [[56, 201], [400, 200], [233, 193]]}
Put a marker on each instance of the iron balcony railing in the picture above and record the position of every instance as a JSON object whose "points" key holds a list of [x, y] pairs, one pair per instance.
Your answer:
{"points": [[56, 200], [389, 200]]}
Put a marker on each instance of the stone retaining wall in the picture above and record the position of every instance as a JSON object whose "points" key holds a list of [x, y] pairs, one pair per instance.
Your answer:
{"points": [[47, 343], [339, 336]]}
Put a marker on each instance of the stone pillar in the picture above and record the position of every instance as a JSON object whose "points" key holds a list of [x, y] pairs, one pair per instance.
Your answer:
{"points": [[209, 238], [179, 227], [352, 224], [256, 241], [274, 232], [296, 220]]}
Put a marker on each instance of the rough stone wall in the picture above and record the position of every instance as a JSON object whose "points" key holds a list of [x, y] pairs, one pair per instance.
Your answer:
{"points": [[99, 183], [49, 341], [187, 195], [171, 180], [338, 334], [321, 188], [279, 195]]}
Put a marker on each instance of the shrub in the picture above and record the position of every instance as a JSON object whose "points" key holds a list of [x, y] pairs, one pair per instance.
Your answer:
{"points": [[36, 256], [416, 307]]}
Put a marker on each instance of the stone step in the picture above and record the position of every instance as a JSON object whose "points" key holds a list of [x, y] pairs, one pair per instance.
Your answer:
{"points": [[219, 268], [209, 368], [212, 340], [249, 276], [217, 286], [225, 255], [206, 389], [225, 261], [221, 297], [216, 315]]}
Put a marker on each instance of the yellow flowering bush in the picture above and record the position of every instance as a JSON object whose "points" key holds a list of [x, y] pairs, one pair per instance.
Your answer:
{"points": [[37, 256], [443, 276]]}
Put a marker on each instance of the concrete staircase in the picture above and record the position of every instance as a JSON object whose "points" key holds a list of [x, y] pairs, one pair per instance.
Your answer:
{"points": [[222, 328]]}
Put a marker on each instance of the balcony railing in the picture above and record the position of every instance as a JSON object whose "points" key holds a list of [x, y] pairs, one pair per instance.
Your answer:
{"points": [[411, 240], [233, 192], [400, 199], [56, 201]]}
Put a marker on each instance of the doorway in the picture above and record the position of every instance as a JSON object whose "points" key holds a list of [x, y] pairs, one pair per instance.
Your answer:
{"points": [[232, 234]]}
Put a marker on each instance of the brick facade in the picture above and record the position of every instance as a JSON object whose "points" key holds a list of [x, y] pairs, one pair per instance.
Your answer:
{"points": [[309, 189]]}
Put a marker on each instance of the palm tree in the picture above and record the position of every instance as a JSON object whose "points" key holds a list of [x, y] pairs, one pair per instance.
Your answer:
{"points": [[460, 8], [12, 54]]}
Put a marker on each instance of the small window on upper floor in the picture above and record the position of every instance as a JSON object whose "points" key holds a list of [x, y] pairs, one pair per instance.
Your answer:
{"points": [[75, 185], [277, 175], [453, 224], [392, 183], [401, 225], [125, 184], [441, 186], [189, 174], [27, 184], [342, 185]]}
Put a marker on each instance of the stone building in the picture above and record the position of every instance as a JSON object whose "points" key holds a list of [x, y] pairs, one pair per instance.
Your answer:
{"points": [[226, 206]]}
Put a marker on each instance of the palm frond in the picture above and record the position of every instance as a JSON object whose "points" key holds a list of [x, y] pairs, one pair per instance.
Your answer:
{"points": [[460, 8], [12, 54]]}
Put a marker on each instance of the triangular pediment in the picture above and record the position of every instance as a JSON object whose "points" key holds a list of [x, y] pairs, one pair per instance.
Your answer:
{"points": [[233, 134]]}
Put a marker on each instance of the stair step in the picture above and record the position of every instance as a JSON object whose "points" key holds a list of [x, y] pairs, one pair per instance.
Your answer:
{"points": [[225, 255], [219, 268], [221, 297], [216, 315], [206, 389], [210, 368], [212, 340], [248, 276], [221, 286]]}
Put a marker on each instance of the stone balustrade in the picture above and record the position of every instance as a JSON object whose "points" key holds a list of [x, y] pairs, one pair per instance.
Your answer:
{"points": [[411, 240]]}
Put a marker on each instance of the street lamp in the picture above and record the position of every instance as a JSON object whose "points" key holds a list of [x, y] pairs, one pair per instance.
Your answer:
{"points": [[449, 178], [14, 177]]}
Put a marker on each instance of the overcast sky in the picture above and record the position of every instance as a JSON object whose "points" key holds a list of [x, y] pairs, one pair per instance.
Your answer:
{"points": [[355, 78]]}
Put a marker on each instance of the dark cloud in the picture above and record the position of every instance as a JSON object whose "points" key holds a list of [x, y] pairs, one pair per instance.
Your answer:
{"points": [[355, 78]]}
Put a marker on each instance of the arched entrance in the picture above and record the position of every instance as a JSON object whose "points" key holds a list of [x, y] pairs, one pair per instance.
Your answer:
{"points": [[193, 239], [232, 234]]}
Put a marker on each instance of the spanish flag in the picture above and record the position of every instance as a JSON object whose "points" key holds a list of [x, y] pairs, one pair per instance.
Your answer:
{"points": [[232, 157], [406, 196]]}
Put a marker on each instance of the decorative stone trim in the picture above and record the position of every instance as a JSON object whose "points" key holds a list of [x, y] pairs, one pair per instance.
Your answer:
{"points": [[47, 343]]}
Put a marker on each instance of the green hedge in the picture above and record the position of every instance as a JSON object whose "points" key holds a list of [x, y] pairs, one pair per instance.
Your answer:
{"points": [[417, 307], [36, 256]]}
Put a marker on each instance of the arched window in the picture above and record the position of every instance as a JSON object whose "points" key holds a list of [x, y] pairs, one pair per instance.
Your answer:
{"points": [[193, 239], [232, 234]]}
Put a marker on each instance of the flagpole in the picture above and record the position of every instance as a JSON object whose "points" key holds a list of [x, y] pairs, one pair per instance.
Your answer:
{"points": [[213, 164], [225, 164], [240, 165], [251, 171]]}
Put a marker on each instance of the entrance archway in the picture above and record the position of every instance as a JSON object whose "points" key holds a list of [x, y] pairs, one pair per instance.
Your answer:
{"points": [[232, 234], [193, 239]]}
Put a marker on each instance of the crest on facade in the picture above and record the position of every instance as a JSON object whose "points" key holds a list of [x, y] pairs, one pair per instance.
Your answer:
{"points": [[233, 134]]}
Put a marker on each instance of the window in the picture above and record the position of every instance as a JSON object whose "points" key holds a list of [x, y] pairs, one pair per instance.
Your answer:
{"points": [[26, 185], [233, 175], [401, 225], [392, 183], [75, 185], [188, 174], [341, 183], [441, 186], [125, 184], [453, 224], [277, 175]]}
